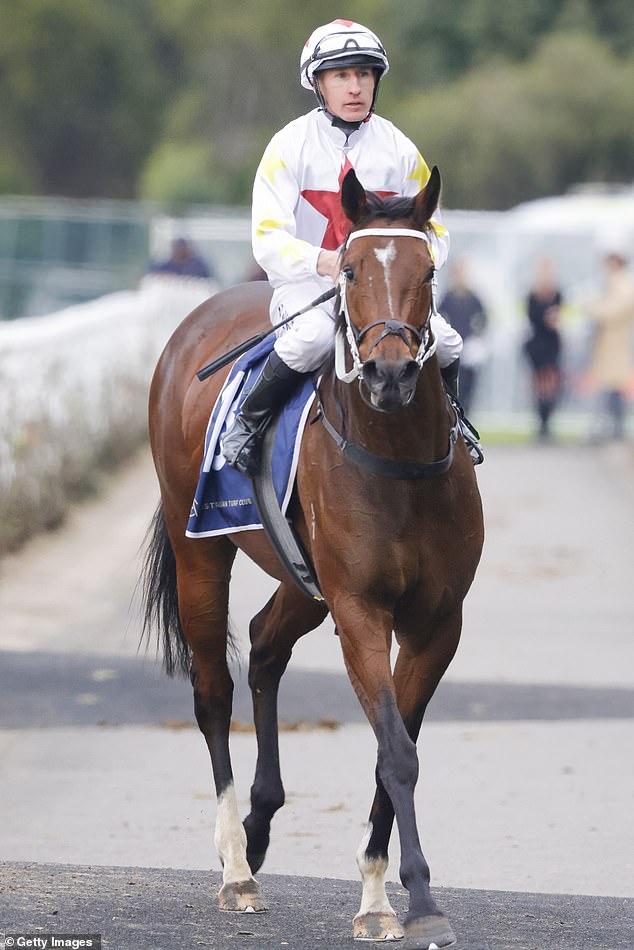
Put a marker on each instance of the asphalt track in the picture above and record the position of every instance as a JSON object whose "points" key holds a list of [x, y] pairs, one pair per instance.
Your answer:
{"points": [[149, 909], [43, 689], [526, 791]]}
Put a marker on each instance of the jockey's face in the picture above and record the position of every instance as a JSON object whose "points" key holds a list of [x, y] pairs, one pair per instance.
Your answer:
{"points": [[348, 91]]}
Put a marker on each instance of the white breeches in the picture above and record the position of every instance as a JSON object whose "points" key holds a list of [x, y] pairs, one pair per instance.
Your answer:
{"points": [[306, 342]]}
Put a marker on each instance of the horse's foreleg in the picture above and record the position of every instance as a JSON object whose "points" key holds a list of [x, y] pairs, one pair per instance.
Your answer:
{"points": [[366, 649], [416, 677], [367, 659], [274, 632], [376, 919]]}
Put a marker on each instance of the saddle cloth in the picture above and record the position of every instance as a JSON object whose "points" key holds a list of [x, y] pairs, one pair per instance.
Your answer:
{"points": [[224, 502]]}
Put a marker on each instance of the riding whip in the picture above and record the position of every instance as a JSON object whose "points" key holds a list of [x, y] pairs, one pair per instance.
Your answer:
{"points": [[213, 367]]}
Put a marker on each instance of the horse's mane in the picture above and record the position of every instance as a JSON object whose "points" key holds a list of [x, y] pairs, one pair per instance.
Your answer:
{"points": [[391, 207]]}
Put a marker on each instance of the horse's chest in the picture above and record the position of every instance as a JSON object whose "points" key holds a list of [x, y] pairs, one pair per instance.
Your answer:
{"points": [[376, 553]]}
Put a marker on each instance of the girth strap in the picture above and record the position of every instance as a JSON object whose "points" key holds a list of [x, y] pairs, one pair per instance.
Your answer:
{"points": [[278, 527]]}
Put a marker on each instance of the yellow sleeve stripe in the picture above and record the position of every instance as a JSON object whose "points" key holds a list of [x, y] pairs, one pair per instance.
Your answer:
{"points": [[440, 229], [267, 225], [291, 250], [421, 175], [421, 172], [271, 163]]}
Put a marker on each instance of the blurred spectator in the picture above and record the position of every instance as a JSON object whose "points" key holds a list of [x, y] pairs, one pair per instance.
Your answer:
{"points": [[464, 311], [611, 363], [543, 347], [183, 261]]}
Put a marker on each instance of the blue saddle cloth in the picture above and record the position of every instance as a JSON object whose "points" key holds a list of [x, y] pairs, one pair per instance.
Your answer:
{"points": [[224, 502]]}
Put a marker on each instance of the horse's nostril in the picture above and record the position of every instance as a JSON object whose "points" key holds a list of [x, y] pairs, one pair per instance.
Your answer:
{"points": [[409, 373], [371, 373], [380, 375]]}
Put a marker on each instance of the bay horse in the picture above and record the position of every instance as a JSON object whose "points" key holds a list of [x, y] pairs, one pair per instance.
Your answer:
{"points": [[390, 516]]}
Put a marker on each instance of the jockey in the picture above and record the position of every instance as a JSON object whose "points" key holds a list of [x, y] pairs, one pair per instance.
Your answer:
{"points": [[298, 225]]}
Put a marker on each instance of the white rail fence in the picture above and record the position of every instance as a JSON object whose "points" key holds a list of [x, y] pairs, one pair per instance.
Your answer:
{"points": [[73, 392]]}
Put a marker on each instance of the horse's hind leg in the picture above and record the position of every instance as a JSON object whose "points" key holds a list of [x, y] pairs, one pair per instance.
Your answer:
{"points": [[416, 676], [287, 616], [203, 571]]}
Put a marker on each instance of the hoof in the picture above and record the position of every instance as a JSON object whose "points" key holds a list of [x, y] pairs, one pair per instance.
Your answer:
{"points": [[429, 933], [242, 897], [377, 926]]}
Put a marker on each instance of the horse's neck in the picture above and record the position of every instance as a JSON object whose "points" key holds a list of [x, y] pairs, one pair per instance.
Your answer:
{"points": [[419, 432]]}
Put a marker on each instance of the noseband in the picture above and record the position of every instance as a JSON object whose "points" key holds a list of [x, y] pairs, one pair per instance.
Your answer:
{"points": [[424, 338], [392, 328]]}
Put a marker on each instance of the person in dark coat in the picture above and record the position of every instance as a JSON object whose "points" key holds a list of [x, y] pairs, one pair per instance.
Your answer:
{"points": [[463, 309], [543, 347], [184, 261]]}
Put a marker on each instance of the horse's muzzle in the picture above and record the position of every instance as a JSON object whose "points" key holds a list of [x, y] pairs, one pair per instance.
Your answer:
{"points": [[391, 385]]}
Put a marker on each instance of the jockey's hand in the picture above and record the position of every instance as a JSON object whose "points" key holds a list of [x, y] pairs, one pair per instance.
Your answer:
{"points": [[328, 264]]}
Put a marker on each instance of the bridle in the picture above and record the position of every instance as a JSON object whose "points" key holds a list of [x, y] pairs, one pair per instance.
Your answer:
{"points": [[386, 468], [424, 337]]}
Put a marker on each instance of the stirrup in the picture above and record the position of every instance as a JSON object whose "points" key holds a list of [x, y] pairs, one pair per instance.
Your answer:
{"points": [[468, 431], [473, 445], [246, 457]]}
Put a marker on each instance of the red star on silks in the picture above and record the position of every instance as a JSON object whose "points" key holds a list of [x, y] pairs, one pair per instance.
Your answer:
{"points": [[328, 204]]}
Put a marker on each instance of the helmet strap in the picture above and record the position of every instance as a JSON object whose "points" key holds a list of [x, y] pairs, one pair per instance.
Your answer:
{"points": [[320, 96], [376, 91]]}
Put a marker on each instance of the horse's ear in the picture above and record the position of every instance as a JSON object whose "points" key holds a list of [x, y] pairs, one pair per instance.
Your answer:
{"points": [[353, 197], [426, 200]]}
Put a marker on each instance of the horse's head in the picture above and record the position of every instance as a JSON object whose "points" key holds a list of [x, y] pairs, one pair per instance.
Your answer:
{"points": [[386, 290]]}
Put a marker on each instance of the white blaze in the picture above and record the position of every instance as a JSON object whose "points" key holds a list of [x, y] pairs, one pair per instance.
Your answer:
{"points": [[385, 256]]}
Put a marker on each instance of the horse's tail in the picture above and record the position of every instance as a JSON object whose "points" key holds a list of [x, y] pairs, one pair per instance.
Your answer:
{"points": [[160, 598]]}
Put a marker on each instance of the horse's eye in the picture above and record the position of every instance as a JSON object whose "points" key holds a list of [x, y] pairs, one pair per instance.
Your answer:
{"points": [[429, 276], [348, 272]]}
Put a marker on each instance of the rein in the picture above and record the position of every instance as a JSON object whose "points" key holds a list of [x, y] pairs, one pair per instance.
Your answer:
{"points": [[377, 465]]}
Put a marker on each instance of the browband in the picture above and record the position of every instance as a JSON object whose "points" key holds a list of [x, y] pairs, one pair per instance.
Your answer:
{"points": [[386, 232]]}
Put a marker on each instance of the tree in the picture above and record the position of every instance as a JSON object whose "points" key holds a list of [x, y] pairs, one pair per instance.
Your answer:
{"points": [[178, 99], [82, 92], [506, 133], [242, 84], [436, 43]]}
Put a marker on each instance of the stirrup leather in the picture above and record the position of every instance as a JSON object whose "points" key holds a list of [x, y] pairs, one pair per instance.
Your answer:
{"points": [[468, 431]]}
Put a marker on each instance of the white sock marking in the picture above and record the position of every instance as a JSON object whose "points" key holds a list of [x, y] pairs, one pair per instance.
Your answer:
{"points": [[374, 897], [230, 839]]}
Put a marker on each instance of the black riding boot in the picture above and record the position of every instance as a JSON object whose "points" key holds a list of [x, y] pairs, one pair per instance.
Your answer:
{"points": [[450, 376], [242, 444]]}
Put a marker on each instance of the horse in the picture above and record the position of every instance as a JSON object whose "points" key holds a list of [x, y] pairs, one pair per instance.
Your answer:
{"points": [[386, 505]]}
